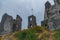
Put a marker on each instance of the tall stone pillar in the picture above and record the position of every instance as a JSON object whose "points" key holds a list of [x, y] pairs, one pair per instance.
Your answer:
{"points": [[8, 24]]}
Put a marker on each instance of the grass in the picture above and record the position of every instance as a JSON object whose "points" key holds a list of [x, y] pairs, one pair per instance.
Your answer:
{"points": [[28, 34], [36, 33], [0, 37], [57, 36]]}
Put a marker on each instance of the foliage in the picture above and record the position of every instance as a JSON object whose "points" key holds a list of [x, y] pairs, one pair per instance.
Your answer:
{"points": [[35, 33], [21, 35], [28, 34], [0, 37], [57, 36]]}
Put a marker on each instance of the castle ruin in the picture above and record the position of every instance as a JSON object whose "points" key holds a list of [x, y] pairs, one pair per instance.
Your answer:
{"points": [[52, 15], [9, 25], [32, 21], [51, 19]]}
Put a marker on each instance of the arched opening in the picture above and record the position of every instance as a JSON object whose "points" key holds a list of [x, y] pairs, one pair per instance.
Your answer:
{"points": [[30, 19]]}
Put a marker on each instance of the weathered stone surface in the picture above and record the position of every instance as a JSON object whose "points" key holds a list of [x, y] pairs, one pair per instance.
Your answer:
{"points": [[32, 21], [18, 22], [45, 23], [8, 24], [3, 20], [52, 14]]}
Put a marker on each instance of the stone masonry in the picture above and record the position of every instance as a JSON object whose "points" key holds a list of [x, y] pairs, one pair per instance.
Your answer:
{"points": [[52, 15], [32, 21], [9, 25]]}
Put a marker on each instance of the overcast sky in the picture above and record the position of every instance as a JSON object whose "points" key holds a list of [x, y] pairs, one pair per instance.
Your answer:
{"points": [[23, 8]]}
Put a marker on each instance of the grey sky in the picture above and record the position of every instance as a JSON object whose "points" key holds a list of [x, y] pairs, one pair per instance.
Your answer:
{"points": [[23, 8]]}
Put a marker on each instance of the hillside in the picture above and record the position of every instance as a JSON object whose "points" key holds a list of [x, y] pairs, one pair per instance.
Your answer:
{"points": [[36, 33]]}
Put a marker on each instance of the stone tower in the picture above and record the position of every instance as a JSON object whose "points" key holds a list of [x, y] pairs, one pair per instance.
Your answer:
{"points": [[2, 22], [52, 15], [8, 24], [32, 21], [57, 2], [17, 23], [47, 7]]}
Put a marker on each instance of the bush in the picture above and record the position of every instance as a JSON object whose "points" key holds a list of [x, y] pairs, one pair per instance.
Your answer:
{"points": [[21, 35], [30, 34], [57, 36]]}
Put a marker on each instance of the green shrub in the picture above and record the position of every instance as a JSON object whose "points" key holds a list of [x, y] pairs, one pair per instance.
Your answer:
{"points": [[26, 35], [21, 35], [57, 36], [29, 34]]}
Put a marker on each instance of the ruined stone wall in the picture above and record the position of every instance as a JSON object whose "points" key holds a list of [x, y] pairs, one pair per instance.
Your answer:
{"points": [[52, 14], [8, 24], [32, 21]]}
